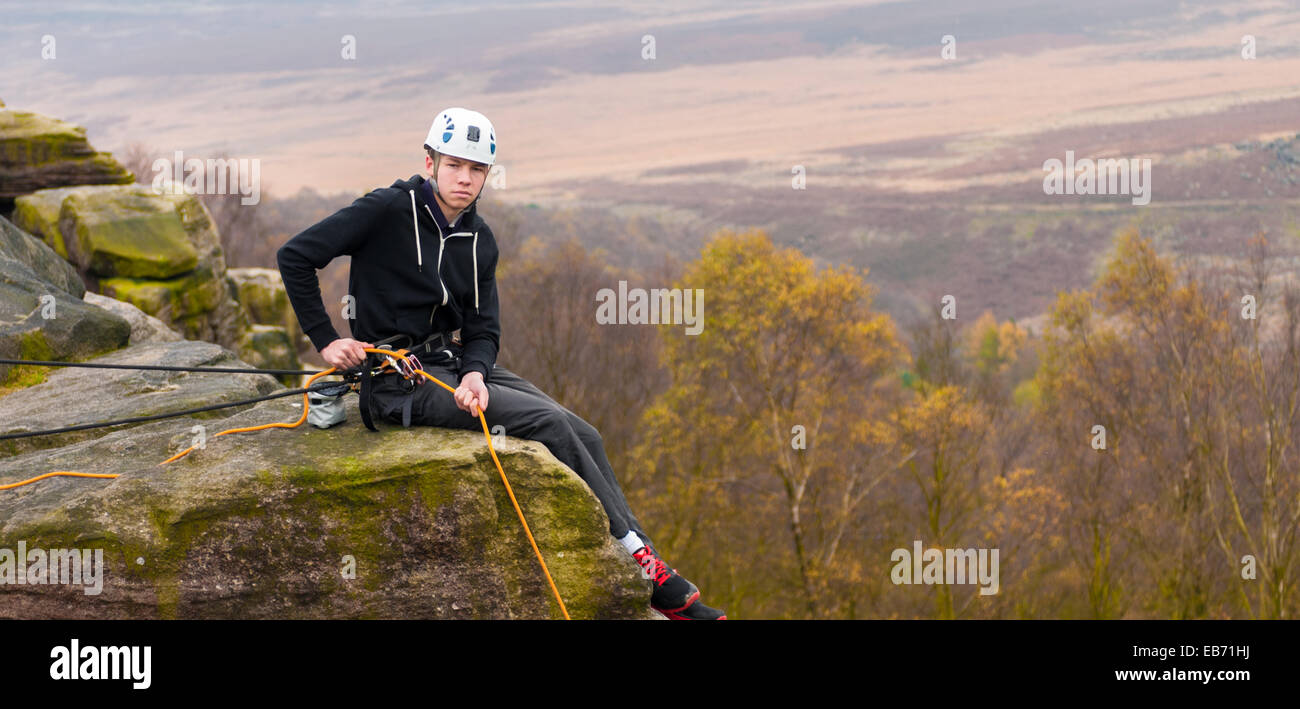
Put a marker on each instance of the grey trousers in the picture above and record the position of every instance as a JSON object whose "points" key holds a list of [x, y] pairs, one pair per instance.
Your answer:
{"points": [[524, 411]]}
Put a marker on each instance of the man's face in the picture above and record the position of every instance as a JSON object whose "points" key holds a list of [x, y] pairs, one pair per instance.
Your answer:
{"points": [[459, 180]]}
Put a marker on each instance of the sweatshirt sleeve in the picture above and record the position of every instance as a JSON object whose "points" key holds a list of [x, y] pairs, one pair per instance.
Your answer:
{"points": [[481, 328], [341, 233]]}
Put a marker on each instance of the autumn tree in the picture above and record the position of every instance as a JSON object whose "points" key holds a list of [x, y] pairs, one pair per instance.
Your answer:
{"points": [[964, 437], [607, 374], [769, 440], [1197, 408]]}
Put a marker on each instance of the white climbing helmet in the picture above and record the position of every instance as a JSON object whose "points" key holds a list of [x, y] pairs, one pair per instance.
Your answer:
{"points": [[465, 134]]}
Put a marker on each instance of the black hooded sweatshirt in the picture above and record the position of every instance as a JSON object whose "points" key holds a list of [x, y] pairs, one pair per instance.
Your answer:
{"points": [[411, 272]]}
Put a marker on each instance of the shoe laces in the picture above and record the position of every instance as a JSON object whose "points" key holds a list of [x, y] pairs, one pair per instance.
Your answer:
{"points": [[653, 565]]}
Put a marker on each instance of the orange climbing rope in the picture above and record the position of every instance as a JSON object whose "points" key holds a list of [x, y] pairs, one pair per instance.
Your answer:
{"points": [[401, 354], [509, 492], [68, 473], [306, 403]]}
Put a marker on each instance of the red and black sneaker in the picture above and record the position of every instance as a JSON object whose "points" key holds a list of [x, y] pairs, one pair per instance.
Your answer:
{"points": [[674, 596], [695, 611], [672, 591]]}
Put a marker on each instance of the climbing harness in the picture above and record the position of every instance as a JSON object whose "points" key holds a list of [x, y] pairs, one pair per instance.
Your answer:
{"points": [[400, 362], [436, 348]]}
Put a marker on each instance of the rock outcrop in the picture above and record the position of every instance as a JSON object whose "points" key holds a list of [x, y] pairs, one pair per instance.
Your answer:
{"points": [[73, 396], [268, 347], [37, 152], [162, 254], [21, 246], [275, 338], [158, 252], [145, 329], [301, 523], [261, 291], [42, 315]]}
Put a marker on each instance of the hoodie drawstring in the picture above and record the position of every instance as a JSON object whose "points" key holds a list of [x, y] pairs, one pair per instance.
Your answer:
{"points": [[419, 255], [415, 223]]}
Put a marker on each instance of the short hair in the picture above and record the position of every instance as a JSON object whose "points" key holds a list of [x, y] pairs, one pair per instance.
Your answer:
{"points": [[435, 155]]}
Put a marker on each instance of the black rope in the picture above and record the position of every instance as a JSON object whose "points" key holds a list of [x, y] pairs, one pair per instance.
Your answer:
{"points": [[319, 386], [157, 367]]}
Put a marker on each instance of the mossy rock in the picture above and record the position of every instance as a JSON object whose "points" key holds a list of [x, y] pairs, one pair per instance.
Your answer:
{"points": [[39, 152], [48, 265], [40, 320], [31, 346], [307, 523], [38, 214], [261, 291], [269, 347], [127, 232], [175, 300], [198, 301], [202, 231], [33, 139]]}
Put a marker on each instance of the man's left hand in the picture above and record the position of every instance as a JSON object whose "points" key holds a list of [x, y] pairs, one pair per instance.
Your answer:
{"points": [[472, 394]]}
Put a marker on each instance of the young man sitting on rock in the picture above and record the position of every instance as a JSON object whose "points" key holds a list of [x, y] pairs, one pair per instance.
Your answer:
{"points": [[388, 233]]}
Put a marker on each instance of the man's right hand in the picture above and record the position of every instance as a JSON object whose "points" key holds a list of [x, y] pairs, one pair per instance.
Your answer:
{"points": [[345, 353]]}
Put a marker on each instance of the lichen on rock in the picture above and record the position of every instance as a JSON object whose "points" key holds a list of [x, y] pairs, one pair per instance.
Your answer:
{"points": [[42, 316], [261, 291], [269, 524], [269, 347], [37, 152], [127, 232], [158, 252]]}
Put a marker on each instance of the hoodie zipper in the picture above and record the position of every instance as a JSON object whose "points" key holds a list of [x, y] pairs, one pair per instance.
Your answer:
{"points": [[442, 242]]}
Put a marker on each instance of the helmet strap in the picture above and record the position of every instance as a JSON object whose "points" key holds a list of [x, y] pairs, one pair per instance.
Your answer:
{"points": [[437, 160]]}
